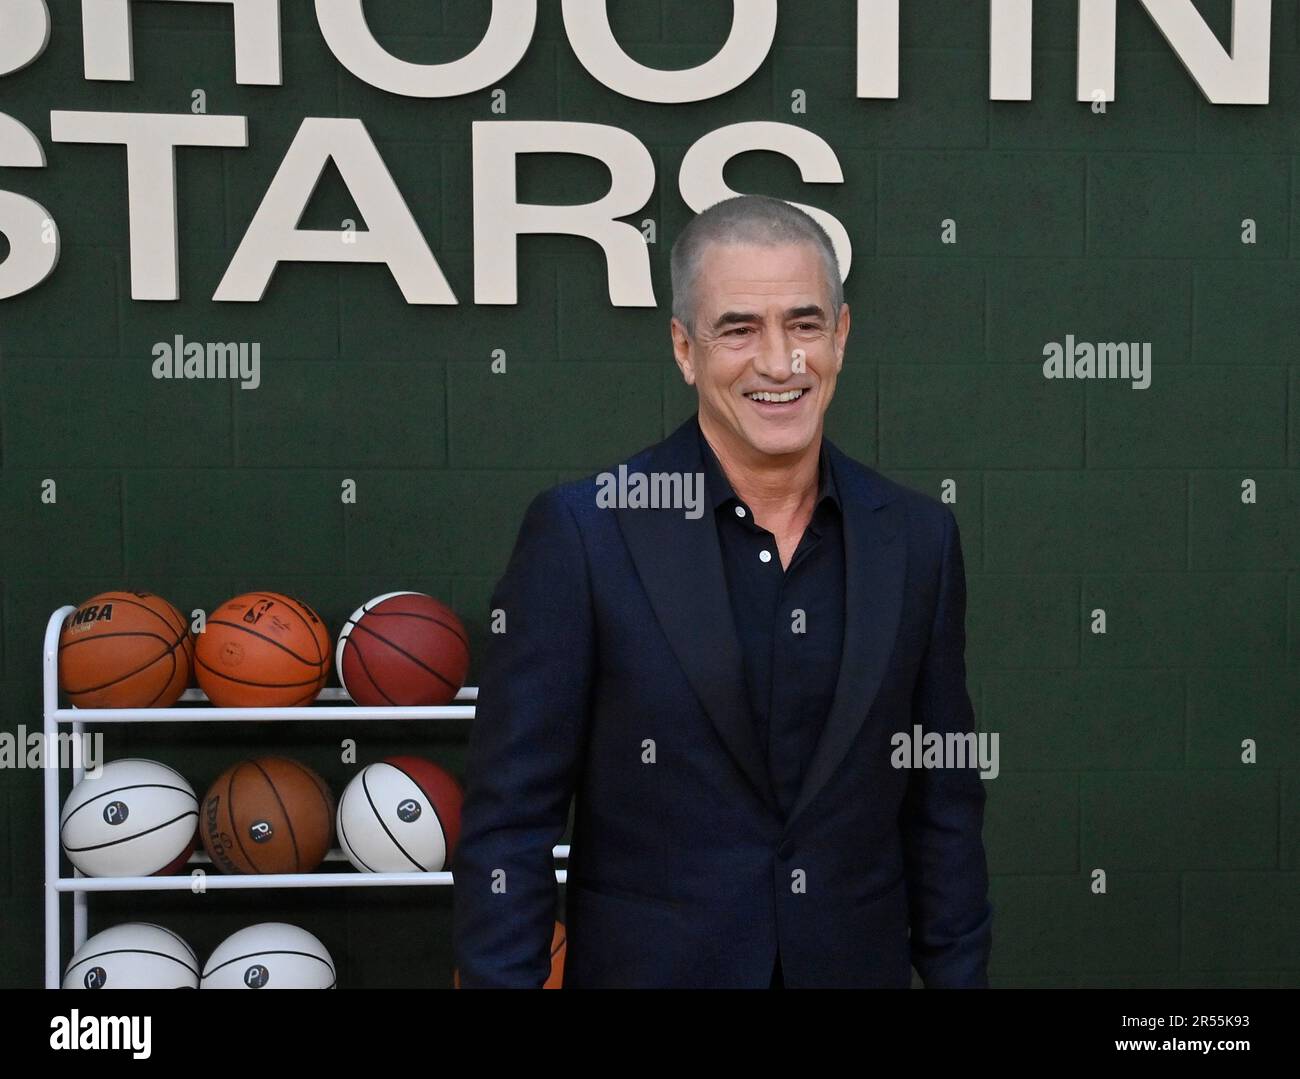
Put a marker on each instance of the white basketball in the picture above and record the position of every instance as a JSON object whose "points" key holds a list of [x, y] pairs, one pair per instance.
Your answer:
{"points": [[135, 955], [135, 818], [272, 955], [387, 824]]}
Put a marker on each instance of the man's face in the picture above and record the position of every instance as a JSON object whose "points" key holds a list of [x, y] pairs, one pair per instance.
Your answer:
{"points": [[762, 325]]}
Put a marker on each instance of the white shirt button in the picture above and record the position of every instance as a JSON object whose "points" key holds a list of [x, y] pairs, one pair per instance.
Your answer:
{"points": [[740, 511], [765, 556]]}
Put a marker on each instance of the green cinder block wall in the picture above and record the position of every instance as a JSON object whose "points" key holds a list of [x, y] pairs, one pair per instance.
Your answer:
{"points": [[1119, 751]]}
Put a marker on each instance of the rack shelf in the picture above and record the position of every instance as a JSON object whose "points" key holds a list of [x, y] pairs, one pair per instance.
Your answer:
{"points": [[198, 879]]}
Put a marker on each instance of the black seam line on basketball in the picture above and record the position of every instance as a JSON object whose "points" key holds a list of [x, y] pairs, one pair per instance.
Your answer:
{"points": [[319, 784], [116, 790], [343, 834], [556, 950], [269, 951], [137, 835], [116, 633], [320, 660], [321, 788], [166, 621], [127, 633], [178, 938], [257, 685], [167, 684], [450, 628], [365, 786], [324, 655], [423, 618], [156, 764], [326, 796], [446, 847], [146, 607], [230, 812], [132, 951], [104, 636], [309, 696], [262, 637], [404, 652], [365, 669], [129, 674], [293, 838]]}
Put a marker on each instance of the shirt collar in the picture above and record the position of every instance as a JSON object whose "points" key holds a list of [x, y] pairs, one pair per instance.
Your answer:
{"points": [[721, 492]]}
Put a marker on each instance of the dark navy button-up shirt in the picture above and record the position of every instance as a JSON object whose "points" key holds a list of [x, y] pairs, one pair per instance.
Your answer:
{"points": [[789, 620]]}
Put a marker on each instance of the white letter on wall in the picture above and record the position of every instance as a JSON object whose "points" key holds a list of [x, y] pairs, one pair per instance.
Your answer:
{"points": [[24, 33], [753, 27], [344, 27], [1011, 50], [151, 140], [1096, 70], [22, 221], [499, 218], [877, 48], [106, 37], [392, 235], [701, 183], [1239, 79]]}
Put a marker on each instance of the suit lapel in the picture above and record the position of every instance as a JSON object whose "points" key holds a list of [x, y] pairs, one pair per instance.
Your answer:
{"points": [[680, 565], [875, 564]]}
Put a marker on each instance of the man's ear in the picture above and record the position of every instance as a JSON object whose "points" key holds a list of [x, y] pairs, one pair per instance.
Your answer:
{"points": [[841, 336], [682, 350]]}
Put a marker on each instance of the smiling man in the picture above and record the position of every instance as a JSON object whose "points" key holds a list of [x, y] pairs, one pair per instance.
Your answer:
{"points": [[716, 693]]}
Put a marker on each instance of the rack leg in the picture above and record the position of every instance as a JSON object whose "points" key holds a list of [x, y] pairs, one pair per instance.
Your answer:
{"points": [[79, 906], [53, 974], [52, 932], [79, 919]]}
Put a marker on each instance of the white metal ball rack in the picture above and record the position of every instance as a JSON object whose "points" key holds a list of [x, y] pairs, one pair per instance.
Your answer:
{"points": [[198, 880]]}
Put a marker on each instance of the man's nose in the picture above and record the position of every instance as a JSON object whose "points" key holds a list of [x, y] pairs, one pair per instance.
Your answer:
{"points": [[775, 357]]}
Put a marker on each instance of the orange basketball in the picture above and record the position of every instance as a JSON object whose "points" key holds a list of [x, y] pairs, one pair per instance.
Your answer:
{"points": [[125, 650], [263, 650], [556, 978], [270, 815]]}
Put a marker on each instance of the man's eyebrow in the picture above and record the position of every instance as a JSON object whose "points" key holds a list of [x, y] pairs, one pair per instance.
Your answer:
{"points": [[731, 318], [805, 311]]}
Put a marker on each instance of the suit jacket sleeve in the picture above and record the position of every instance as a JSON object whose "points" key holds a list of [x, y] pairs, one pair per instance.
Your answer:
{"points": [[943, 811], [524, 754]]}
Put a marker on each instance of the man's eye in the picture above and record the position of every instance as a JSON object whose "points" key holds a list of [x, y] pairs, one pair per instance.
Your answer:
{"points": [[738, 329]]}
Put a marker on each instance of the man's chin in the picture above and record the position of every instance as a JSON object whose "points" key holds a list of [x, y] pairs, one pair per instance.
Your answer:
{"points": [[781, 443]]}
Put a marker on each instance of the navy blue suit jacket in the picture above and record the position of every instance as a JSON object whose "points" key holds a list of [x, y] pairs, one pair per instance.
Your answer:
{"points": [[619, 684]]}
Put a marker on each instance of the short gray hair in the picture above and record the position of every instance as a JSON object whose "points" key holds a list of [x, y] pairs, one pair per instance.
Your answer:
{"points": [[747, 219]]}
